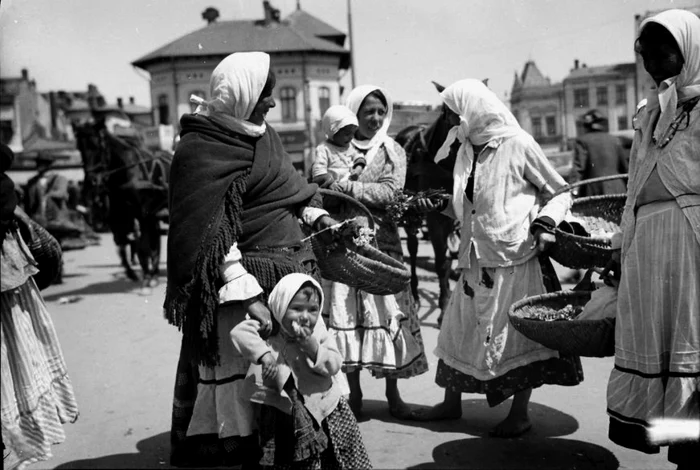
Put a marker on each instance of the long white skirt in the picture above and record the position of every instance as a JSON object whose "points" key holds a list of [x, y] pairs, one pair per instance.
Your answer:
{"points": [[657, 334]]}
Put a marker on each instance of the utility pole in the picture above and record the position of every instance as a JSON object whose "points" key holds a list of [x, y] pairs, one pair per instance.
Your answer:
{"points": [[352, 49]]}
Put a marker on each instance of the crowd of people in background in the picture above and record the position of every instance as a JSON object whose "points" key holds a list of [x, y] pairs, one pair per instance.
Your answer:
{"points": [[268, 374]]}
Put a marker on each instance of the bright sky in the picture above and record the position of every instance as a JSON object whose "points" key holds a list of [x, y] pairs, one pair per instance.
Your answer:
{"points": [[399, 44]]}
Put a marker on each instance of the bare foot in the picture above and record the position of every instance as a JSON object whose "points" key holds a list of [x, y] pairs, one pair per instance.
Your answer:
{"points": [[511, 427], [399, 409], [441, 411]]}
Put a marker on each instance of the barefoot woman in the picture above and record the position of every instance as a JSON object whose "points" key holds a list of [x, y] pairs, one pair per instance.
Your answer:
{"points": [[501, 175]]}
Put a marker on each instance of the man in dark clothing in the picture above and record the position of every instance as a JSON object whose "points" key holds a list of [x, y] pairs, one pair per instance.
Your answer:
{"points": [[597, 153]]}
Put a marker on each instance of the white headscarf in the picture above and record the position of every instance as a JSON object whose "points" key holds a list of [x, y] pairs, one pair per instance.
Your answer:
{"points": [[685, 28], [372, 146], [285, 290], [483, 117], [235, 88], [335, 118]]}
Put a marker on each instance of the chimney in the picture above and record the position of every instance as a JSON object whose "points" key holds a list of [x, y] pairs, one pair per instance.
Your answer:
{"points": [[25, 74], [120, 103], [575, 64], [210, 14], [131, 100], [272, 14], [52, 106]]}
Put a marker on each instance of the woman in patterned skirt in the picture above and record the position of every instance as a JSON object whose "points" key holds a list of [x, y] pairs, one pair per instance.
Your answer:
{"points": [[657, 335], [37, 395], [379, 333], [501, 180]]}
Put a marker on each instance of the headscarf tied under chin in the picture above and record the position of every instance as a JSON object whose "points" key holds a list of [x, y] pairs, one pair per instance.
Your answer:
{"points": [[235, 87], [483, 117], [283, 293], [372, 146], [685, 28], [335, 118]]}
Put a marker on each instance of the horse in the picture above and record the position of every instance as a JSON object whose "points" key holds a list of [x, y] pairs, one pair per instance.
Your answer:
{"points": [[421, 143], [135, 182]]}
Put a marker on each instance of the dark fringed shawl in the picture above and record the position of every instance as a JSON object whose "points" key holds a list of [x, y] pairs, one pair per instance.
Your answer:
{"points": [[224, 187]]}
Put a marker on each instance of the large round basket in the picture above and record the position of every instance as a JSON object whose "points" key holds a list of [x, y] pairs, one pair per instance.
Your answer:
{"points": [[591, 338], [598, 213], [363, 267]]}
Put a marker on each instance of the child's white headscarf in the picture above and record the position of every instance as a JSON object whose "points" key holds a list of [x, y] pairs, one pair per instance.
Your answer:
{"points": [[335, 118], [235, 88], [372, 146], [685, 28], [483, 117], [285, 290]]}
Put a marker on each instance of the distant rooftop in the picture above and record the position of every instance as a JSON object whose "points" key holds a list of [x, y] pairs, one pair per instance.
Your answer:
{"points": [[616, 69], [298, 32]]}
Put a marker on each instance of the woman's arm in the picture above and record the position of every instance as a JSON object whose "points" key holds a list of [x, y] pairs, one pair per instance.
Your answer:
{"points": [[379, 193], [545, 178]]}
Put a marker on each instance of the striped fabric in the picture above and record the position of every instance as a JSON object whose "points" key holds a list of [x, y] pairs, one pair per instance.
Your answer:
{"points": [[37, 395], [657, 335]]}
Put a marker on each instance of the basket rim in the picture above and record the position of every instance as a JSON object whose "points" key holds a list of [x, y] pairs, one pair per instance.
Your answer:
{"points": [[547, 296], [585, 240]]}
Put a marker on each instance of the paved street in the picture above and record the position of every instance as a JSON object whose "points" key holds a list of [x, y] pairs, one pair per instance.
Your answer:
{"points": [[122, 354]]}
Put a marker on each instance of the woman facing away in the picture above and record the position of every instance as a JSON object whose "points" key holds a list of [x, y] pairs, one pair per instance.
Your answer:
{"points": [[502, 179], [656, 380], [379, 333], [235, 202]]}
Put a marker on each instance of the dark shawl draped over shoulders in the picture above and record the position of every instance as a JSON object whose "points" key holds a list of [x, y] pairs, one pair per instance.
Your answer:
{"points": [[224, 187]]}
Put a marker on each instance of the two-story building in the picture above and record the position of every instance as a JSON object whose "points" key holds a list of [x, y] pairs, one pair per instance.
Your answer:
{"points": [[307, 56]]}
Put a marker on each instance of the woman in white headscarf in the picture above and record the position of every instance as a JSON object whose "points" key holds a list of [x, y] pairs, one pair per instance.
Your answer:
{"points": [[657, 335], [235, 202], [501, 177], [379, 333]]}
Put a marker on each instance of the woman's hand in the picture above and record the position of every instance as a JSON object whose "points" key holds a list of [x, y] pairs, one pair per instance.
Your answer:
{"points": [[425, 204], [543, 240], [257, 310], [269, 366], [322, 226]]}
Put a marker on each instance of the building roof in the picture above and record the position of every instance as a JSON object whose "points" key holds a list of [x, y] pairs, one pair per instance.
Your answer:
{"points": [[615, 70], [221, 38], [532, 77]]}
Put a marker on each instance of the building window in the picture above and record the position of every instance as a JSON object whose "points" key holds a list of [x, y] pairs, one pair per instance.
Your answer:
{"points": [[199, 93], [551, 123], [602, 95], [288, 98], [620, 94], [581, 98], [621, 123], [163, 110], [324, 99], [537, 127]]}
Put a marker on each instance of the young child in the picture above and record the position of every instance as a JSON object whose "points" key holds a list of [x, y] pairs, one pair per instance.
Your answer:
{"points": [[336, 160], [304, 419]]}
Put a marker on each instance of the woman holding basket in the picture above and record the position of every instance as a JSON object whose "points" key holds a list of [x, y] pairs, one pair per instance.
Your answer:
{"points": [[657, 334], [502, 180], [379, 333]]}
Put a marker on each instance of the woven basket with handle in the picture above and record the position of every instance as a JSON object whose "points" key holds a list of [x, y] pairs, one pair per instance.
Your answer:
{"points": [[591, 338], [363, 267], [598, 213]]}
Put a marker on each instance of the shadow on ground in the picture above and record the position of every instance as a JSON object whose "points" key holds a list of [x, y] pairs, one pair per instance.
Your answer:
{"points": [[478, 419], [153, 452], [533, 452], [118, 285]]}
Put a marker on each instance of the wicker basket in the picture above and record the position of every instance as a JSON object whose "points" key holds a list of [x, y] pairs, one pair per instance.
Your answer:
{"points": [[591, 338], [598, 213], [45, 249], [365, 268]]}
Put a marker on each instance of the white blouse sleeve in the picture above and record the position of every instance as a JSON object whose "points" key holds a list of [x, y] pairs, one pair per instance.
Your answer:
{"points": [[239, 284]]}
